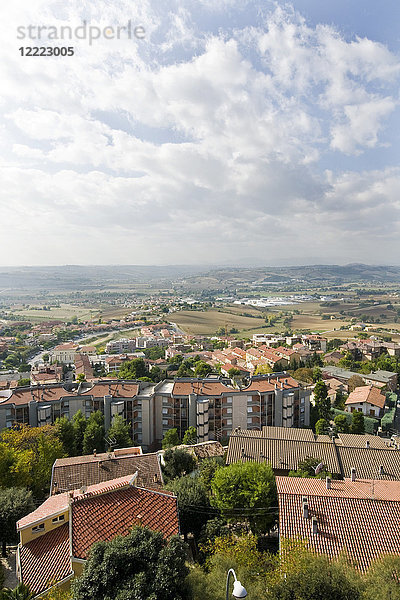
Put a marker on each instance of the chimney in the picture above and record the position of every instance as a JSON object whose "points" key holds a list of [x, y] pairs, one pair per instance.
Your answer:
{"points": [[314, 525], [328, 483], [367, 444], [94, 452], [305, 510], [353, 474], [381, 471]]}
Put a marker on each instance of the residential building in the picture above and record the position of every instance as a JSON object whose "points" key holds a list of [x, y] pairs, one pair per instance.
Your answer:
{"points": [[367, 399], [377, 378], [359, 518], [370, 456], [55, 539], [64, 353], [211, 405]]}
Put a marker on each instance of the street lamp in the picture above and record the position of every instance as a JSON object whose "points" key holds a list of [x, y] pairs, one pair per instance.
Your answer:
{"points": [[238, 590]]}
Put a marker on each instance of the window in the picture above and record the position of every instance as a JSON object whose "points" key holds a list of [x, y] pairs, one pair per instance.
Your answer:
{"points": [[228, 411], [229, 400], [38, 528], [165, 422], [58, 519], [229, 421], [165, 411], [249, 409]]}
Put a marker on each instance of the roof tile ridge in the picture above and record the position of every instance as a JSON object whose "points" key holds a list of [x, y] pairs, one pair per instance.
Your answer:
{"points": [[158, 492], [101, 491]]}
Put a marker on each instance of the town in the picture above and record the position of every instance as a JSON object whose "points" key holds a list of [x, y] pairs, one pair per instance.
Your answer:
{"points": [[270, 449]]}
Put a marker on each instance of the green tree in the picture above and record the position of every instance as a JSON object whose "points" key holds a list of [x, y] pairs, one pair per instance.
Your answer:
{"points": [[202, 369], [382, 579], [322, 402], [23, 382], [314, 577], [133, 369], [207, 469], [171, 438], [234, 372], [322, 427], [21, 592], [309, 467], [178, 462], [247, 488], [79, 424], [354, 382], [340, 400], [141, 566], [120, 432], [341, 424], [15, 503], [65, 432], [193, 504], [357, 423], [304, 374], [190, 436], [93, 438]]}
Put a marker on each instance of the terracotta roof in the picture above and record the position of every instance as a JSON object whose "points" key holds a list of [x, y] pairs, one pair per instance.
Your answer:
{"points": [[101, 518], [367, 393], [354, 440], [285, 447], [361, 519], [49, 393], [202, 388], [268, 384], [46, 559], [51, 506], [73, 473]]}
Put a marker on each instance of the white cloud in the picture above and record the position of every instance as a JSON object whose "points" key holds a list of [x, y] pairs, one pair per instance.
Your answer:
{"points": [[223, 143]]}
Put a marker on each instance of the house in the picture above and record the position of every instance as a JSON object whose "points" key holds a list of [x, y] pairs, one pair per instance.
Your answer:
{"points": [[333, 357], [367, 399], [377, 378], [359, 518], [55, 539], [64, 353], [78, 471], [370, 456]]}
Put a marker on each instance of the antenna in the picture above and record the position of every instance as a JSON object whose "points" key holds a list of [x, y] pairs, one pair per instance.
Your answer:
{"points": [[111, 443]]}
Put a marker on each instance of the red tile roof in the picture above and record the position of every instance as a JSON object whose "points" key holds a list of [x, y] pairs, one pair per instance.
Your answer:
{"points": [[46, 560], [202, 388], [367, 393], [103, 517], [360, 518]]}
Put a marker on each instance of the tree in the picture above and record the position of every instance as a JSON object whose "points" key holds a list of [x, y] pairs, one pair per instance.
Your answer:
{"points": [[93, 438], [65, 432], [322, 402], [190, 436], [193, 504], [171, 438], [27, 455], [133, 369], [309, 467], [322, 427], [178, 462], [306, 576], [141, 566], [79, 424], [246, 490], [354, 382], [15, 503], [341, 424], [21, 592], [304, 374], [207, 469], [357, 424], [202, 369], [234, 372], [120, 432], [24, 381], [382, 579], [340, 400]]}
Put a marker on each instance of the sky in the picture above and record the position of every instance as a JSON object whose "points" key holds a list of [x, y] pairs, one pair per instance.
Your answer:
{"points": [[234, 132]]}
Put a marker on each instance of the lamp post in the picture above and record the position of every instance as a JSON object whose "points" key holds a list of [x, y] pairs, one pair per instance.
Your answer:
{"points": [[238, 590]]}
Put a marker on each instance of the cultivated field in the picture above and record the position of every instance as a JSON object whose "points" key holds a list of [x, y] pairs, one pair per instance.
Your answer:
{"points": [[207, 322], [65, 312]]}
